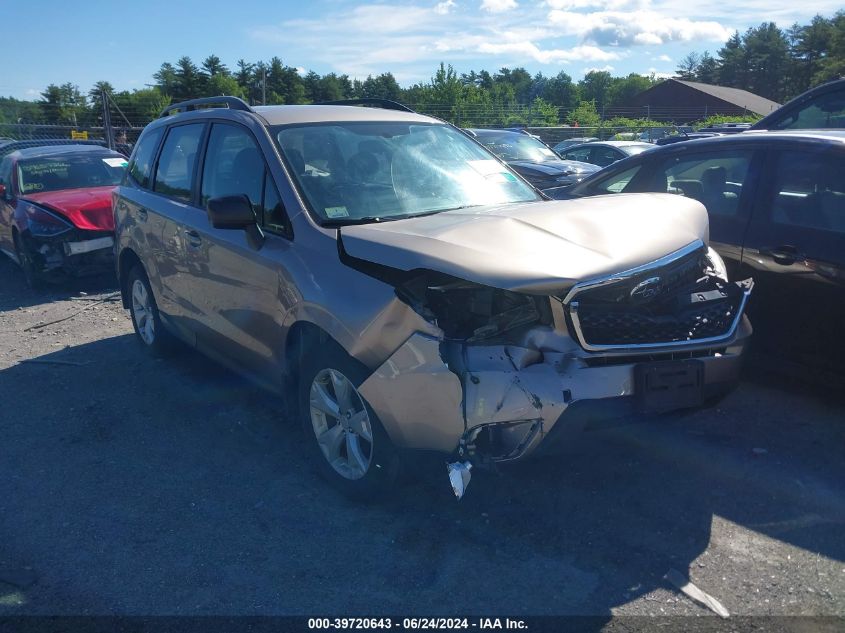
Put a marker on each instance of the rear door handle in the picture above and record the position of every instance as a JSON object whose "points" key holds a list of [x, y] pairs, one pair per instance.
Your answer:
{"points": [[783, 255], [193, 238]]}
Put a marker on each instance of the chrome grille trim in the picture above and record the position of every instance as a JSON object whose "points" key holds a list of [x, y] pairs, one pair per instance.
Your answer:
{"points": [[572, 307], [616, 277]]}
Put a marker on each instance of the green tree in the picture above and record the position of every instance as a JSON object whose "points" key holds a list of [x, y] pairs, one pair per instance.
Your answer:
{"points": [[95, 94], [561, 91], [688, 67], [519, 79], [64, 104], [833, 65], [767, 51], [585, 115], [188, 79], [221, 84], [708, 69], [167, 80], [733, 63], [595, 87], [623, 89], [383, 86], [212, 66], [146, 105], [284, 85], [543, 113]]}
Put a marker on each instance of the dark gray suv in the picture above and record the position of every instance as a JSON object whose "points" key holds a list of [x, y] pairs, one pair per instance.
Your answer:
{"points": [[404, 289]]}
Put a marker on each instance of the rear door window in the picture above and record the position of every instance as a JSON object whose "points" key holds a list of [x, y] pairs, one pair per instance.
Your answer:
{"points": [[715, 179], [809, 191], [175, 171], [141, 165]]}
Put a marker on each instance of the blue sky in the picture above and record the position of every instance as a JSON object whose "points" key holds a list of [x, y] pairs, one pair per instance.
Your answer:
{"points": [[124, 43]]}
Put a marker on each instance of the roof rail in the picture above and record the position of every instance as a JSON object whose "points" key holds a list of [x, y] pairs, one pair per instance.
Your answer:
{"points": [[387, 104], [233, 103]]}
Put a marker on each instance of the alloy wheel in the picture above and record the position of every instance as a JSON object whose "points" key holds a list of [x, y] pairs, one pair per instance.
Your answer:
{"points": [[142, 312], [341, 424]]}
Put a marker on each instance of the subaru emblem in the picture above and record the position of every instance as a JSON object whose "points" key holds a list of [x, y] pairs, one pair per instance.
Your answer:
{"points": [[646, 290]]}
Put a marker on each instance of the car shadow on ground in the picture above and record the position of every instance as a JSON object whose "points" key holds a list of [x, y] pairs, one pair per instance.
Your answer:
{"points": [[17, 295], [174, 486]]}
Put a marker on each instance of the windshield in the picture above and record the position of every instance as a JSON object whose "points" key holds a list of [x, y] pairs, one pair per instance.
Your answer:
{"points": [[69, 172], [362, 172], [516, 147]]}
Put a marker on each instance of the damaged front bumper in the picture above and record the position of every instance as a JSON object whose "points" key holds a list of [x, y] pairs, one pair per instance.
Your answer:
{"points": [[494, 403], [76, 253]]}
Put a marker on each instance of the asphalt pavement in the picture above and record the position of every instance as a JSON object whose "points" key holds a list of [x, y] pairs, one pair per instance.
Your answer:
{"points": [[136, 486]]}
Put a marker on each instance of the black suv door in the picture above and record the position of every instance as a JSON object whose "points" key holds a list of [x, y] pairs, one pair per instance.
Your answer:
{"points": [[795, 250]]}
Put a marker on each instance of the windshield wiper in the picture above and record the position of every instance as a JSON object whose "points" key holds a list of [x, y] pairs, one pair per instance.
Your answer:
{"points": [[378, 219], [369, 219]]}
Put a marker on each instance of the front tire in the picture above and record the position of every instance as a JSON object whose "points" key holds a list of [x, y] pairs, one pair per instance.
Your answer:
{"points": [[348, 444], [145, 316], [34, 279]]}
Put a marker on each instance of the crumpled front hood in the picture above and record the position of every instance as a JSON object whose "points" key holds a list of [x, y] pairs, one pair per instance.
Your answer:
{"points": [[536, 247], [88, 208]]}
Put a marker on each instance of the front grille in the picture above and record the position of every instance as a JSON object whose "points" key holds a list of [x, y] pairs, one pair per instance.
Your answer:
{"points": [[603, 327], [676, 301]]}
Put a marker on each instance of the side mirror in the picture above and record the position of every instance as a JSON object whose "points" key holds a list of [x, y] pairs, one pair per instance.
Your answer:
{"points": [[235, 212], [230, 212]]}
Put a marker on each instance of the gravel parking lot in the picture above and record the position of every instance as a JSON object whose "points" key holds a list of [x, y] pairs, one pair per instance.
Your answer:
{"points": [[135, 486]]}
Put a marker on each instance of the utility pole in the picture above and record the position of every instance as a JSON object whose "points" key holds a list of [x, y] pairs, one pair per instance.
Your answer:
{"points": [[107, 128], [263, 86]]}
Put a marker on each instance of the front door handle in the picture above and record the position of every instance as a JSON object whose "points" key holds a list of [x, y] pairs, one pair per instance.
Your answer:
{"points": [[783, 255], [193, 238]]}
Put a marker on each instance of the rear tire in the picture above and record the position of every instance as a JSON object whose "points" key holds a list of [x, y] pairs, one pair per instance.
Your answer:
{"points": [[145, 316], [347, 443]]}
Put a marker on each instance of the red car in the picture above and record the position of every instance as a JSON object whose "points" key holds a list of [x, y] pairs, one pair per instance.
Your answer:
{"points": [[55, 209]]}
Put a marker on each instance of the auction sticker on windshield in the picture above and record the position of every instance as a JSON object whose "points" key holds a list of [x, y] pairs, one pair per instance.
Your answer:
{"points": [[337, 212]]}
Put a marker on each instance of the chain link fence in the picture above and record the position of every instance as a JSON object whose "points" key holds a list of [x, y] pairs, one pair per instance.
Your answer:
{"points": [[102, 120]]}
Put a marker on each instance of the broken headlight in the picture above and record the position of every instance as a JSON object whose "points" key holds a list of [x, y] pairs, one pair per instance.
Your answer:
{"points": [[42, 223], [470, 311], [716, 264]]}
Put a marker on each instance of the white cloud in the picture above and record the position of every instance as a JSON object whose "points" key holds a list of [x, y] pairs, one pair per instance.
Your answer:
{"points": [[604, 69], [748, 13], [520, 45], [549, 56], [658, 74], [498, 6], [604, 5], [664, 58], [409, 38], [619, 28]]}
